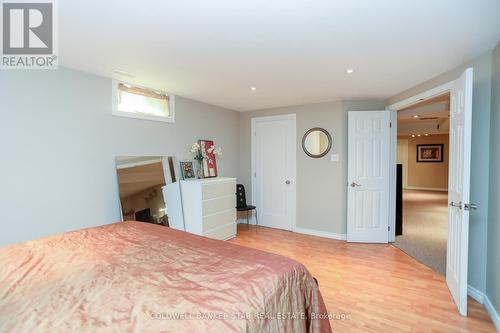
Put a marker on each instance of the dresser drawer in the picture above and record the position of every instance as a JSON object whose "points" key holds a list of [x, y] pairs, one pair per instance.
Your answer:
{"points": [[211, 191], [222, 233], [217, 220], [217, 205]]}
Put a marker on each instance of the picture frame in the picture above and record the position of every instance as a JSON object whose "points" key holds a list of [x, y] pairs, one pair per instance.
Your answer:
{"points": [[187, 170], [430, 153], [210, 162]]}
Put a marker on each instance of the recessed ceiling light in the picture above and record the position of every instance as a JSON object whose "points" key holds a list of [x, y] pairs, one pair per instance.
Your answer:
{"points": [[349, 71], [419, 135], [413, 135], [426, 134], [415, 116], [253, 88]]}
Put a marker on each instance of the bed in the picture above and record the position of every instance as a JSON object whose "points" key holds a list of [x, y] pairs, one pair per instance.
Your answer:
{"points": [[140, 277]]}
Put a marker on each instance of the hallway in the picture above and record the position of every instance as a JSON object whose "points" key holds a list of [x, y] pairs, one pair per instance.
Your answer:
{"points": [[425, 228]]}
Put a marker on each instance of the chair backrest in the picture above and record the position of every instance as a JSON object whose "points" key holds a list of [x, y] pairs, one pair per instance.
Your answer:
{"points": [[241, 199]]}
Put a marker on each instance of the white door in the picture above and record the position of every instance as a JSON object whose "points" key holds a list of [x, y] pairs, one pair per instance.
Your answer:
{"points": [[459, 189], [368, 175], [273, 168]]}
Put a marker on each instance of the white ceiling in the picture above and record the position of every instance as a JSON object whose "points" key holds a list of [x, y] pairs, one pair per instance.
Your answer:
{"points": [[294, 52]]}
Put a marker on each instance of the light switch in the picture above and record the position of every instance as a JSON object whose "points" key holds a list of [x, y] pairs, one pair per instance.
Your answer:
{"points": [[335, 157]]}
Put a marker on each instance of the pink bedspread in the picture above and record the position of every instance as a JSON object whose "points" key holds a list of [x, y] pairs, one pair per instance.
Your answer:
{"points": [[138, 277]]}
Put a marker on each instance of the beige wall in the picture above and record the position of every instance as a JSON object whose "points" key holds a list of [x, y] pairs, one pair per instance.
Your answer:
{"points": [[481, 108], [427, 175], [402, 158], [321, 184]]}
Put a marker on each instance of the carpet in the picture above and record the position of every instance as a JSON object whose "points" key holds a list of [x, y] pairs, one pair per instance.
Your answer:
{"points": [[425, 228]]}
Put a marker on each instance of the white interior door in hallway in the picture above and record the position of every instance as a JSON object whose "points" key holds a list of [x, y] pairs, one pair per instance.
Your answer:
{"points": [[369, 147], [273, 170]]}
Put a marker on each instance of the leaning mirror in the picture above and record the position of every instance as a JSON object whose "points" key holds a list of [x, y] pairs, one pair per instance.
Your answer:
{"points": [[140, 181], [316, 142]]}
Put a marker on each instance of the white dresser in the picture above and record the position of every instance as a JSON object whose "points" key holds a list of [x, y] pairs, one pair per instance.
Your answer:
{"points": [[208, 206]]}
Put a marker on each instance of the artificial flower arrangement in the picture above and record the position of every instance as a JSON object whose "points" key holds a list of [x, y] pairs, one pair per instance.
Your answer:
{"points": [[196, 151]]}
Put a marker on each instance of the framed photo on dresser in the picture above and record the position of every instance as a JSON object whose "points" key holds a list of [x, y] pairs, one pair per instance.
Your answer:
{"points": [[187, 170]]}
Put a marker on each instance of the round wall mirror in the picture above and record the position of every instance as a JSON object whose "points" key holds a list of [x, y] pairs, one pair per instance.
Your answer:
{"points": [[316, 142]]}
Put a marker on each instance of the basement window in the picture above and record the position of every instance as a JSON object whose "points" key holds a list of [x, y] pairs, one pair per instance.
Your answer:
{"points": [[142, 103]]}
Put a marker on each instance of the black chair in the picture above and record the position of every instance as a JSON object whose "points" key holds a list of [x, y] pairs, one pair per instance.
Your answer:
{"points": [[241, 202]]}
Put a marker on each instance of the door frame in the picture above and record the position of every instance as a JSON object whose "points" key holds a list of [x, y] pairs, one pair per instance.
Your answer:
{"points": [[433, 92], [254, 120]]}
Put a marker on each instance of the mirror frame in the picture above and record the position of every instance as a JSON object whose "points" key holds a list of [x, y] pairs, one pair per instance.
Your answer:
{"points": [[328, 136]]}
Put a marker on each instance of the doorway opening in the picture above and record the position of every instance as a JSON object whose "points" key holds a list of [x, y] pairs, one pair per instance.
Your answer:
{"points": [[459, 154], [422, 181]]}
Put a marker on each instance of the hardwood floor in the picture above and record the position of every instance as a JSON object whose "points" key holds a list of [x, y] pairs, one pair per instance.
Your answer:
{"points": [[379, 287]]}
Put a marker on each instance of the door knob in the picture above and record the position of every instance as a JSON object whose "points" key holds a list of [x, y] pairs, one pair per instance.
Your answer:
{"points": [[287, 182], [353, 184], [470, 206]]}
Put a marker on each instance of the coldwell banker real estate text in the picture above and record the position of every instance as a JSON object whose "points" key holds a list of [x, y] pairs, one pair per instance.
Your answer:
{"points": [[29, 34]]}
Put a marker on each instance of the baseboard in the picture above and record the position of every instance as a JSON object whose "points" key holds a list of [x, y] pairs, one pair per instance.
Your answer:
{"points": [[481, 298], [477, 295], [304, 231], [320, 233], [493, 312], [426, 189]]}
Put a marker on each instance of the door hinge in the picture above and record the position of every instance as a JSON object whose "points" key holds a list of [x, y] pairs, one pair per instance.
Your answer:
{"points": [[255, 174], [389, 228], [390, 125]]}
